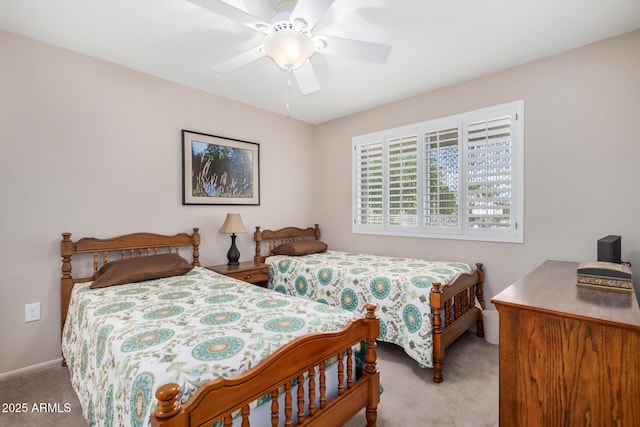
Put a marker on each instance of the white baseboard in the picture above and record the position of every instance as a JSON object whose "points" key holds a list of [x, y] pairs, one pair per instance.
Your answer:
{"points": [[30, 369]]}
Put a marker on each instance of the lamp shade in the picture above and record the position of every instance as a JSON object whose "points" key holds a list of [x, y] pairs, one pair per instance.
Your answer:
{"points": [[289, 48], [233, 224]]}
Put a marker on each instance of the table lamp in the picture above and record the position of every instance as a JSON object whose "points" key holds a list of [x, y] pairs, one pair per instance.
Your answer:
{"points": [[232, 225]]}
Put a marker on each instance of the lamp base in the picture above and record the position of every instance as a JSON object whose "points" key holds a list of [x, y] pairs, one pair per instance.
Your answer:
{"points": [[233, 255]]}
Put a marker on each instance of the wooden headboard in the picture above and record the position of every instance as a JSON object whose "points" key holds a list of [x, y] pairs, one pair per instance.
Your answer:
{"points": [[121, 247], [283, 235]]}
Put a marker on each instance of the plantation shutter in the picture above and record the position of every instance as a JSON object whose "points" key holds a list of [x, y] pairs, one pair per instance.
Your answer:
{"points": [[369, 183], [490, 179], [442, 179], [403, 181], [454, 177]]}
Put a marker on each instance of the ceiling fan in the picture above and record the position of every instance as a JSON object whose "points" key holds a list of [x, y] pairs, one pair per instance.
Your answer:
{"points": [[289, 40]]}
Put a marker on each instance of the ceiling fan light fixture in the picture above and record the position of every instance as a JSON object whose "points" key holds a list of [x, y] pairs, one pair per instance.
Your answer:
{"points": [[289, 48]]}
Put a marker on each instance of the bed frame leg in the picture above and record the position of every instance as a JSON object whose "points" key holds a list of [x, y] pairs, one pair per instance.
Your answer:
{"points": [[372, 417], [437, 371], [480, 326]]}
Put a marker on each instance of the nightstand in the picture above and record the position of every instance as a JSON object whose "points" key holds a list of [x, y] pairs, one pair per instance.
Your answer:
{"points": [[250, 272]]}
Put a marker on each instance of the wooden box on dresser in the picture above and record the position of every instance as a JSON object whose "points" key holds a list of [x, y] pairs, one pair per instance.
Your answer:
{"points": [[569, 355]]}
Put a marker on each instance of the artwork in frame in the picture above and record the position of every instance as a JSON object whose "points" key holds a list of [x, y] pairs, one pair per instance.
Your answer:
{"points": [[219, 171]]}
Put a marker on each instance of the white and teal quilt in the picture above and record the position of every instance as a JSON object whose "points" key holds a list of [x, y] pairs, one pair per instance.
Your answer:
{"points": [[400, 288], [121, 343]]}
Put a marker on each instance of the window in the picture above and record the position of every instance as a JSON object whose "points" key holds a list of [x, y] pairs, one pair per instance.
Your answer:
{"points": [[458, 177]]}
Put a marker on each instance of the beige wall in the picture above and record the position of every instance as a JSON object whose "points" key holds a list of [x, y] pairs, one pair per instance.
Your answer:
{"points": [[582, 160], [94, 149]]}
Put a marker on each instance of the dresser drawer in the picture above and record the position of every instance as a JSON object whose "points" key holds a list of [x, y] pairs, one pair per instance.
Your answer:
{"points": [[256, 276], [250, 272]]}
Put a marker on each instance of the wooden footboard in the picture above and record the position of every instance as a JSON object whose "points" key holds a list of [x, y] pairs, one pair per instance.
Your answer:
{"points": [[300, 360], [454, 311]]}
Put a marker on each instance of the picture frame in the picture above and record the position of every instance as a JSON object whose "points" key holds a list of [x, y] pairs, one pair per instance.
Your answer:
{"points": [[219, 171]]}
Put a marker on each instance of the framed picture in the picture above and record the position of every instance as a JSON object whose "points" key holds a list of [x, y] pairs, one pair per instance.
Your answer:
{"points": [[219, 171]]}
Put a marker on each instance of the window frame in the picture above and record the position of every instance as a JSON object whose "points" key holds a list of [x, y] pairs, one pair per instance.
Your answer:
{"points": [[513, 234]]}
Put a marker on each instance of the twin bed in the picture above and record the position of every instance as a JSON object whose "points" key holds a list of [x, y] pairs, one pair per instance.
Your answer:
{"points": [[216, 351], [211, 349], [423, 306]]}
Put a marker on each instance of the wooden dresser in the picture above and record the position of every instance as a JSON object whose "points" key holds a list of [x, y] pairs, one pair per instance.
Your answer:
{"points": [[569, 356]]}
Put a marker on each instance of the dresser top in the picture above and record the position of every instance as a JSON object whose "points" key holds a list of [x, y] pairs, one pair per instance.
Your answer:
{"points": [[551, 287]]}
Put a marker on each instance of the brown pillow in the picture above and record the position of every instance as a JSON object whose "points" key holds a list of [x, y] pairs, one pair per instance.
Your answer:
{"points": [[300, 247], [140, 268]]}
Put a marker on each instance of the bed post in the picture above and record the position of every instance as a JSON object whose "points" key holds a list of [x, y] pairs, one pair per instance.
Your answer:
{"points": [[480, 298], [438, 350], [370, 365], [168, 405], [66, 281], [257, 236], [316, 232], [479, 287], [196, 245]]}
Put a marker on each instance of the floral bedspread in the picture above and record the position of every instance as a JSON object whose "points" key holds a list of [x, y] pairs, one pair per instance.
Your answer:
{"points": [[400, 288], [121, 343]]}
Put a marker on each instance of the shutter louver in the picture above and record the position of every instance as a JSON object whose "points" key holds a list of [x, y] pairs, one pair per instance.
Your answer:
{"points": [[489, 174], [403, 181], [442, 179], [369, 184]]}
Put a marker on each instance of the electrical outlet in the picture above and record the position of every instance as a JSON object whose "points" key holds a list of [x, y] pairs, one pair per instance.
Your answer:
{"points": [[32, 312]]}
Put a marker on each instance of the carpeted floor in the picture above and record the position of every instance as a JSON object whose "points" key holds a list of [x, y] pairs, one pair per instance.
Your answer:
{"points": [[467, 397]]}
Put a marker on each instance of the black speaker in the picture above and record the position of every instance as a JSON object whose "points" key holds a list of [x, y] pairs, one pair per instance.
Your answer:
{"points": [[609, 249]]}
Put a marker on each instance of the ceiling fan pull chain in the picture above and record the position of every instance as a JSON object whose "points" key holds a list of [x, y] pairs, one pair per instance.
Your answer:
{"points": [[289, 72]]}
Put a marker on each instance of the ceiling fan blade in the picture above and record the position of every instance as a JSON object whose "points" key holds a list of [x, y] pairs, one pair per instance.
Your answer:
{"points": [[239, 60], [367, 51], [311, 11], [306, 79], [221, 8]]}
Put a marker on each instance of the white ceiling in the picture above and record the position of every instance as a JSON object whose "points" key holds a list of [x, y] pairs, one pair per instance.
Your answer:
{"points": [[434, 43]]}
